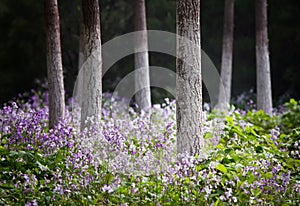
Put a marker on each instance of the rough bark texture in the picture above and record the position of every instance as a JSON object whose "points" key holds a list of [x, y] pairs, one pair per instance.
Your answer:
{"points": [[54, 63], [142, 79], [188, 82], [226, 67], [92, 64], [263, 76]]}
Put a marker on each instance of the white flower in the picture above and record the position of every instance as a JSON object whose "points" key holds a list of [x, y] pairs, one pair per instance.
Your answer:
{"points": [[156, 106], [234, 199], [107, 188]]}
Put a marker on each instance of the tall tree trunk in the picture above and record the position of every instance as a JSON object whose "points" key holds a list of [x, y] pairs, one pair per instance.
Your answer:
{"points": [[263, 76], [79, 82], [92, 64], [142, 79], [226, 67], [189, 80], [54, 63]]}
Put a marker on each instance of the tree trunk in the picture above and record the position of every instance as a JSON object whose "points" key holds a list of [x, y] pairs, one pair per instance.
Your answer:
{"points": [[263, 76], [79, 82], [92, 64], [189, 80], [226, 67], [54, 63], [142, 79]]}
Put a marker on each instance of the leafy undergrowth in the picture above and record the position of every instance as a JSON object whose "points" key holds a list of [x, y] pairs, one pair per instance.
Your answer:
{"points": [[250, 158]]}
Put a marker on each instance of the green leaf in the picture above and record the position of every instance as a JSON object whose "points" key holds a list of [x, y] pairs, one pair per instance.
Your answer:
{"points": [[217, 202], [221, 168], [226, 160], [208, 135], [268, 175], [7, 186], [42, 167], [227, 150], [230, 120], [198, 168]]}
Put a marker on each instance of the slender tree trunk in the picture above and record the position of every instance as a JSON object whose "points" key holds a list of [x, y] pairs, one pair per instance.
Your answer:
{"points": [[189, 80], [142, 79], [263, 76], [54, 63], [79, 82], [92, 64], [226, 67]]}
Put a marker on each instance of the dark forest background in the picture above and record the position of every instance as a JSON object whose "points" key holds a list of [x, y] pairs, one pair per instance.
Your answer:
{"points": [[22, 42]]}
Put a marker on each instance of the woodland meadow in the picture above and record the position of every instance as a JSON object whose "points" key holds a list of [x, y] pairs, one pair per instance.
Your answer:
{"points": [[85, 118]]}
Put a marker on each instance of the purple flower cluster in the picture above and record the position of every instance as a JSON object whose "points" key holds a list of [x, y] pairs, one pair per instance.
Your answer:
{"points": [[28, 126]]}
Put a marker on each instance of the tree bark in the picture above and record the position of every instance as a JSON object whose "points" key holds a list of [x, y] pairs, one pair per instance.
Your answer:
{"points": [[54, 63], [263, 76], [92, 64], [79, 82], [226, 67], [142, 79], [189, 80]]}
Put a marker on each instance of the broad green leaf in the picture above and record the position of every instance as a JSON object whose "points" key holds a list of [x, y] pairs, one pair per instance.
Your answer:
{"points": [[221, 168], [208, 135]]}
